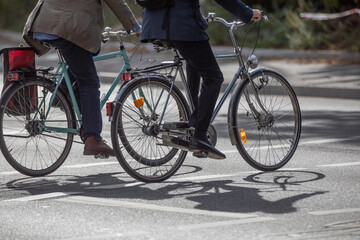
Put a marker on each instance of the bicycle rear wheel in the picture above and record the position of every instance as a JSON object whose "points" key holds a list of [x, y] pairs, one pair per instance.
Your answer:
{"points": [[266, 137], [24, 143], [136, 131]]}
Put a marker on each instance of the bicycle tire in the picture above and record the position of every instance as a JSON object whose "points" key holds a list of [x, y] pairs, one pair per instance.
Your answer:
{"points": [[271, 140], [141, 154], [25, 146]]}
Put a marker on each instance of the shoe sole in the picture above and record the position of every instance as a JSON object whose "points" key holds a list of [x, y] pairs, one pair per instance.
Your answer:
{"points": [[185, 145], [89, 153]]}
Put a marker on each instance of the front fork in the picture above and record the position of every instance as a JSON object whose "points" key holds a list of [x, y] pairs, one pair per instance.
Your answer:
{"points": [[260, 114], [256, 88]]}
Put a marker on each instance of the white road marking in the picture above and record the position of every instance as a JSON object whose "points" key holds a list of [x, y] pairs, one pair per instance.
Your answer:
{"points": [[329, 140], [84, 165], [194, 178], [139, 234], [339, 164], [318, 141], [152, 207], [90, 164], [225, 223], [9, 173], [116, 186], [38, 197], [122, 185], [336, 211]]}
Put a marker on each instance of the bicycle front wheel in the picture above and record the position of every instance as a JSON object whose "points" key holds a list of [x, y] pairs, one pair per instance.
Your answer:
{"points": [[266, 120], [25, 142], [137, 132]]}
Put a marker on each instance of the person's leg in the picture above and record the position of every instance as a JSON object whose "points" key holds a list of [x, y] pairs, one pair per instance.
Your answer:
{"points": [[201, 63], [82, 67], [194, 87]]}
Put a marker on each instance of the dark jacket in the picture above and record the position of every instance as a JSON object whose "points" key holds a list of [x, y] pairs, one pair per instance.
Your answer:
{"points": [[185, 20]]}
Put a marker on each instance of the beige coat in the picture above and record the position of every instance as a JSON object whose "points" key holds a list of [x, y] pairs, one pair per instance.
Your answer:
{"points": [[78, 21]]}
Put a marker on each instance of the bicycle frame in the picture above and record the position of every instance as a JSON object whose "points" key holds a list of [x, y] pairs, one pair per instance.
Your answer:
{"points": [[178, 66], [61, 74], [242, 72]]}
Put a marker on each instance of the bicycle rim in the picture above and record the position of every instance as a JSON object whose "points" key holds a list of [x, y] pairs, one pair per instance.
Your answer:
{"points": [[25, 146], [136, 133], [267, 141]]}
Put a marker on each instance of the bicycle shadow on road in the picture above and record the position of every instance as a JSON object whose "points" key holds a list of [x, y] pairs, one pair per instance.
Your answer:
{"points": [[274, 192], [96, 185]]}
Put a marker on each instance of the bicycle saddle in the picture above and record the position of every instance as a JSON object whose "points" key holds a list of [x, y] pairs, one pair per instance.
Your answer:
{"points": [[162, 45]]}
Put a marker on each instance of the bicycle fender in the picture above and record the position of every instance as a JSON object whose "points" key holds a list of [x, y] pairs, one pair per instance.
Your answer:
{"points": [[232, 110]]}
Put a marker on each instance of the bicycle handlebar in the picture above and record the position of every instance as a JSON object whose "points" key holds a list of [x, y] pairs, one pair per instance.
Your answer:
{"points": [[108, 33], [213, 18]]}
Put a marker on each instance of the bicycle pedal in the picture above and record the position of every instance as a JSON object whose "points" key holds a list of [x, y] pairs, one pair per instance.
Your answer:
{"points": [[200, 154], [101, 156]]}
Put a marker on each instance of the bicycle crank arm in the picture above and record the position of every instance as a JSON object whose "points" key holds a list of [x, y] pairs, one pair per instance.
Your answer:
{"points": [[175, 133]]}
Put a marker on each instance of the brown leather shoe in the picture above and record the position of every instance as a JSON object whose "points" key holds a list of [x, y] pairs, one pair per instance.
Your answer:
{"points": [[94, 147]]}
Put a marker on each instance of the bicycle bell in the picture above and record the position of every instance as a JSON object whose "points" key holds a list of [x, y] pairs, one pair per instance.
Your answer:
{"points": [[252, 61]]}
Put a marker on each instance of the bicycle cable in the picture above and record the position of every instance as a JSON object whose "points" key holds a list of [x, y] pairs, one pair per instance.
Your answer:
{"points": [[256, 41]]}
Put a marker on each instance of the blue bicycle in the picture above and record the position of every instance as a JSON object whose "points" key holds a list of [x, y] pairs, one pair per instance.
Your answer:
{"points": [[38, 120]]}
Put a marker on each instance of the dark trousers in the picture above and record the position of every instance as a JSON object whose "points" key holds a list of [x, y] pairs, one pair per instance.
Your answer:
{"points": [[81, 66], [201, 63]]}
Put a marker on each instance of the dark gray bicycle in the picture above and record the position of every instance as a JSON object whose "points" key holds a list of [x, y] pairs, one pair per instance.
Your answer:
{"points": [[264, 118]]}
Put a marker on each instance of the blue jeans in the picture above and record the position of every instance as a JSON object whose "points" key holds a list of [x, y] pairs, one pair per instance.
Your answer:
{"points": [[81, 66]]}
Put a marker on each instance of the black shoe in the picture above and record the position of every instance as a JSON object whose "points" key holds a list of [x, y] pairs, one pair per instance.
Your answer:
{"points": [[177, 125], [204, 149]]}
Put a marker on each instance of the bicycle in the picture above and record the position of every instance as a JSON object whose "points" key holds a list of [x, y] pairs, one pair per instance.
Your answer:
{"points": [[38, 121], [264, 118]]}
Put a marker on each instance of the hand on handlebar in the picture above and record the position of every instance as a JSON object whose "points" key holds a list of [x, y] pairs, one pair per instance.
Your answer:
{"points": [[139, 32], [256, 15]]}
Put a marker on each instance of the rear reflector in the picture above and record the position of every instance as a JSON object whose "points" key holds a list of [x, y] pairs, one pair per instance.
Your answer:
{"points": [[13, 76], [109, 108], [126, 76]]}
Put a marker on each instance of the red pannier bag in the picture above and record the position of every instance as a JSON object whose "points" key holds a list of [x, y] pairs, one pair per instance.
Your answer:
{"points": [[19, 64]]}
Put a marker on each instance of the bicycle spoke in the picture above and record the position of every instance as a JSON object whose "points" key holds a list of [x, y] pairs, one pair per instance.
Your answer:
{"points": [[143, 156], [272, 135], [25, 144]]}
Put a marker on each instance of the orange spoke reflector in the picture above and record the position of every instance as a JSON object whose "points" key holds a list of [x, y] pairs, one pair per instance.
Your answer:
{"points": [[243, 136], [139, 102]]}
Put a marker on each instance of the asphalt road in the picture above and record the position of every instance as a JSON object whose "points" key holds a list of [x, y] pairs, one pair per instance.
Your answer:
{"points": [[315, 196]]}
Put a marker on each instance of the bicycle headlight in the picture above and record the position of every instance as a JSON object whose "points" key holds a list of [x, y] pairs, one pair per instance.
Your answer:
{"points": [[252, 61]]}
